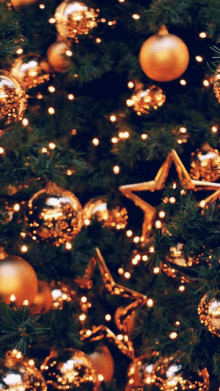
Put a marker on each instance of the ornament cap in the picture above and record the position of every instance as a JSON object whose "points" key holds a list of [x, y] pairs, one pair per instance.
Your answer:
{"points": [[163, 30]]}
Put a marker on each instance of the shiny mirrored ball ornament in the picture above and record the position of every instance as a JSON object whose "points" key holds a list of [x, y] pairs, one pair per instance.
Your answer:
{"points": [[13, 101], [209, 313], [55, 215], [146, 100], [75, 18], [70, 370], [177, 257], [205, 164], [17, 374], [28, 71]]}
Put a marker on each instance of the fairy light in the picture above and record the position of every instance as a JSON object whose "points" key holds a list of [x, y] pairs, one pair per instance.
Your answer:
{"points": [[206, 83], [129, 102], [116, 169], [136, 16], [69, 53], [158, 224], [52, 145], [173, 335], [25, 122], [31, 362], [95, 141], [129, 233], [83, 299], [121, 134], [19, 354], [82, 317], [24, 248], [103, 20], [19, 51], [121, 1], [151, 249], [162, 214], [145, 258], [100, 377], [214, 129], [120, 337], [183, 130], [177, 323], [16, 207], [126, 134], [41, 6], [1, 150], [23, 234], [69, 172], [12, 298], [68, 246], [202, 204], [52, 20], [87, 222], [108, 317], [73, 132], [130, 84], [113, 118], [51, 110], [51, 89], [25, 303], [202, 34], [114, 140], [181, 288], [172, 200], [134, 261], [98, 40], [127, 275], [199, 58], [150, 303], [156, 270], [136, 239], [183, 82], [121, 271], [39, 95], [144, 136]]}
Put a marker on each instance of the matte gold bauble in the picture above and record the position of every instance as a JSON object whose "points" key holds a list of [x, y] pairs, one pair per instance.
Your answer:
{"points": [[97, 208], [139, 373], [170, 375], [17, 374], [13, 100], [28, 71], [75, 18], [103, 363], [147, 100], [122, 318], [205, 164], [69, 370], [43, 301], [22, 3], [209, 313], [17, 278], [54, 215], [164, 56], [57, 58]]}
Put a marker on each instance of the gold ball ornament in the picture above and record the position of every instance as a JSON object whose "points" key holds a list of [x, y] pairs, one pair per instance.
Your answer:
{"points": [[164, 57], [103, 363], [205, 164], [43, 301], [22, 3], [123, 320], [178, 258], [209, 313], [97, 208], [13, 101], [28, 71], [56, 55], [70, 370], [55, 215], [75, 18], [145, 101], [19, 374], [140, 373], [216, 83], [17, 278], [169, 375]]}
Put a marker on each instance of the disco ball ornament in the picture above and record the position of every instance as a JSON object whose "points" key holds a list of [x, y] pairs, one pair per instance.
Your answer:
{"points": [[19, 374], [75, 18], [177, 258], [209, 313], [13, 101], [145, 101], [70, 370], [164, 57], [170, 375], [140, 373], [55, 215], [97, 208], [28, 71], [216, 83], [205, 164]]}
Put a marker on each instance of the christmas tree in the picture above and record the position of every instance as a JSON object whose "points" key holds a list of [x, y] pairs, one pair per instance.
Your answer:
{"points": [[110, 185]]}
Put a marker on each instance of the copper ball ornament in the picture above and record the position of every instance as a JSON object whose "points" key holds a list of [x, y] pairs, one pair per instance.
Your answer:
{"points": [[17, 278], [209, 313], [19, 374], [55, 215], [97, 208], [13, 101], [56, 55], [103, 363], [205, 164], [43, 301], [146, 100], [75, 18], [69, 370], [28, 71], [164, 57]]}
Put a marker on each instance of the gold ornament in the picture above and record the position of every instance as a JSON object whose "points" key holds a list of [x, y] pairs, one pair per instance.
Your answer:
{"points": [[216, 84], [19, 374], [55, 215], [177, 258], [140, 373], [18, 279], [13, 100], [22, 3], [169, 375], [121, 318], [70, 370], [205, 163], [97, 208], [158, 184], [75, 18], [144, 101], [56, 55], [209, 313], [164, 56], [103, 363], [125, 343], [43, 301], [28, 71]]}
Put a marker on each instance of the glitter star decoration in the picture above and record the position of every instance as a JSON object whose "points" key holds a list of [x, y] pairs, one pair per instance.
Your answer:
{"points": [[158, 184], [122, 341]]}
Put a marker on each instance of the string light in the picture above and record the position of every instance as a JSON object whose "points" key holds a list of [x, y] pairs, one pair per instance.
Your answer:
{"points": [[44, 150], [182, 288], [70, 96], [136, 16], [95, 141], [130, 84], [19, 51], [162, 214], [52, 145], [69, 172], [39, 95], [103, 20], [100, 377], [136, 239], [173, 335], [25, 303], [51, 110], [151, 249], [1, 150], [52, 20], [82, 317], [51, 89], [183, 82], [113, 118], [23, 234], [114, 140], [31, 362], [158, 224], [172, 200], [183, 129], [214, 129], [16, 207], [202, 204], [121, 271], [25, 122], [87, 222], [134, 261], [202, 34], [108, 317], [129, 102], [73, 132], [177, 323], [116, 169], [68, 246], [150, 303], [144, 136], [145, 258], [156, 270], [129, 233], [206, 83], [121, 1], [41, 6], [126, 134], [98, 40], [127, 275], [12, 298], [24, 248], [69, 53], [199, 58]]}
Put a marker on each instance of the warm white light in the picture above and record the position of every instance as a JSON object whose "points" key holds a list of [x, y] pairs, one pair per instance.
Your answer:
{"points": [[100, 377], [51, 89], [51, 110], [144, 136], [203, 34], [183, 82], [52, 145], [145, 258], [129, 233], [116, 169], [183, 129], [41, 6], [25, 122], [199, 58], [156, 270], [52, 20], [136, 16], [68, 246], [108, 317], [24, 249], [172, 200], [16, 207], [114, 140], [127, 275], [12, 297], [44, 150], [206, 83], [130, 84], [25, 302], [214, 129], [82, 317], [136, 239], [98, 40], [158, 224], [202, 204], [1, 150], [71, 97], [121, 271], [19, 51], [95, 141], [83, 299], [173, 335], [150, 303], [69, 53], [182, 288], [113, 118], [162, 214]]}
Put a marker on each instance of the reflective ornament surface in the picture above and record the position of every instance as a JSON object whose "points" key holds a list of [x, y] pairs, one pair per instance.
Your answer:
{"points": [[103, 363], [170, 375], [140, 373], [56, 55], [164, 57], [205, 164], [28, 71], [216, 84], [145, 101], [54, 215], [18, 278], [178, 258], [43, 301], [70, 370], [75, 18], [97, 208], [209, 313], [17, 374], [13, 101]]}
